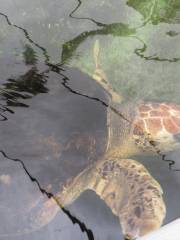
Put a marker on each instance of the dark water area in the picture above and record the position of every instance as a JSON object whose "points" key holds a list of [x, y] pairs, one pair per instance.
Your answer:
{"points": [[53, 114]]}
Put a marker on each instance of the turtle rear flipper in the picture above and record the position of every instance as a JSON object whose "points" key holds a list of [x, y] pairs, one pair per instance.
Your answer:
{"points": [[128, 189]]}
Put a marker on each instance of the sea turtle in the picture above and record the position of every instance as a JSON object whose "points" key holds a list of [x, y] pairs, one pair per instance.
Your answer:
{"points": [[124, 184]]}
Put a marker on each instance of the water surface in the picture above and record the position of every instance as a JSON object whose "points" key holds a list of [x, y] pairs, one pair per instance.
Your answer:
{"points": [[47, 99]]}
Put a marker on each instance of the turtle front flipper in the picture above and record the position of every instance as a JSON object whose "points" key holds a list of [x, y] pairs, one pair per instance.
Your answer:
{"points": [[100, 76], [81, 183], [132, 194], [128, 189]]}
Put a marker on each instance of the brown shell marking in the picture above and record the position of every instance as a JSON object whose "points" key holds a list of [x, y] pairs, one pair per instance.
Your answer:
{"points": [[155, 118]]}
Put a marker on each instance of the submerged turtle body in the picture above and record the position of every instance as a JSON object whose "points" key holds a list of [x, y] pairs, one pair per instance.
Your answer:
{"points": [[124, 184]]}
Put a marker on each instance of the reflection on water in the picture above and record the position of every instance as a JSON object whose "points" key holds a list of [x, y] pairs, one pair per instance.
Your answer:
{"points": [[53, 117]]}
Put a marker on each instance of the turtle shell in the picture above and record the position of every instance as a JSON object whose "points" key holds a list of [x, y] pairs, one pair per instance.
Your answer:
{"points": [[56, 137], [162, 122]]}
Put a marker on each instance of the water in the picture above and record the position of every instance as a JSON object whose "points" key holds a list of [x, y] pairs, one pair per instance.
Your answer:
{"points": [[47, 101]]}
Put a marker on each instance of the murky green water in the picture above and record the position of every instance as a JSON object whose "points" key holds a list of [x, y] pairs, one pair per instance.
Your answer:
{"points": [[48, 101]]}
